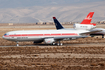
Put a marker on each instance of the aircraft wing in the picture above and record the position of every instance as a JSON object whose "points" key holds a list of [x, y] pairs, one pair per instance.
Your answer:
{"points": [[91, 32], [68, 38]]}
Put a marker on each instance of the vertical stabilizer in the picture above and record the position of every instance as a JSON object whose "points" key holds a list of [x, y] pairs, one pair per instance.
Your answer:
{"points": [[57, 24], [88, 19]]}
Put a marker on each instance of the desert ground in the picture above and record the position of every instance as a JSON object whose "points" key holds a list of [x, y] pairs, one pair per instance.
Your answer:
{"points": [[80, 54]]}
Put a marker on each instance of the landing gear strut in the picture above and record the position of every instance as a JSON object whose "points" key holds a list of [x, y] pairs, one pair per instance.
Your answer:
{"points": [[53, 43], [102, 36], [17, 43], [59, 43]]}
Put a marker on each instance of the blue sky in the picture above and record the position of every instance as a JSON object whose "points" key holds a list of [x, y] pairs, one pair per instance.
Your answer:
{"points": [[29, 3]]}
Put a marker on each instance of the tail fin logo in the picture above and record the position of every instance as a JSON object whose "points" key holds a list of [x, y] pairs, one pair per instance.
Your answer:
{"points": [[88, 17], [57, 24]]}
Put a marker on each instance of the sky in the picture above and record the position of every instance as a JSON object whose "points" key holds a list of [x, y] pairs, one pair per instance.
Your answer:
{"points": [[29, 3], [32, 11]]}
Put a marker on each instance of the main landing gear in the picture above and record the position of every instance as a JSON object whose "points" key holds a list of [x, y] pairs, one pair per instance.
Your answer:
{"points": [[58, 43], [17, 43], [102, 36]]}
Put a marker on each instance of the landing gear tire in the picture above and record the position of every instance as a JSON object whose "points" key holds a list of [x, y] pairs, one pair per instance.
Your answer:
{"points": [[59, 44], [102, 36], [53, 43], [17, 43]]}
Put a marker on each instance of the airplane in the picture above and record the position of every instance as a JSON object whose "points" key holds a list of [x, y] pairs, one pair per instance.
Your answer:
{"points": [[47, 36], [85, 24]]}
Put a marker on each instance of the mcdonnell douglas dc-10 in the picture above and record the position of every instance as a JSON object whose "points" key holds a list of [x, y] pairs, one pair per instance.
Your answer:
{"points": [[48, 36]]}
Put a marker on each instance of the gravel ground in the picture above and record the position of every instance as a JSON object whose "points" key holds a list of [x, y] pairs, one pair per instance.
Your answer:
{"points": [[79, 54]]}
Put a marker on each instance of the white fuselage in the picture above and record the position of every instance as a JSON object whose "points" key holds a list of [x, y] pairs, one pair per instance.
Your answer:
{"points": [[38, 35]]}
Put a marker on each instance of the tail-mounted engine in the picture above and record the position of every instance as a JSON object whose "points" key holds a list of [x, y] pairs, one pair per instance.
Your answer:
{"points": [[84, 26]]}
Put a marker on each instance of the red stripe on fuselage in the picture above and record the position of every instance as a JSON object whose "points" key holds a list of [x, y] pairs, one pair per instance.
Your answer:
{"points": [[22, 35]]}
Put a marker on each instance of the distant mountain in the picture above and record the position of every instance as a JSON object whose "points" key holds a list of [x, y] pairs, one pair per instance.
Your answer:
{"points": [[64, 13]]}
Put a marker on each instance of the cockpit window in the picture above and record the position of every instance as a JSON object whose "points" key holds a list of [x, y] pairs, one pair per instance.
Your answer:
{"points": [[5, 34]]}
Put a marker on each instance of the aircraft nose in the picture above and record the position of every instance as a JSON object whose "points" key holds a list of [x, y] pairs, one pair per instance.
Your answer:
{"points": [[3, 37]]}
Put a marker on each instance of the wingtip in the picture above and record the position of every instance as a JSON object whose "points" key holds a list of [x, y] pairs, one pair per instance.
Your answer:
{"points": [[54, 17]]}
